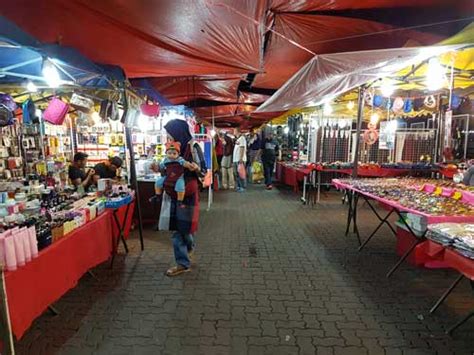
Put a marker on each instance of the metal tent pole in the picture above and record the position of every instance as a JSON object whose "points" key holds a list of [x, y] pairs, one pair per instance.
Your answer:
{"points": [[360, 116], [133, 172]]}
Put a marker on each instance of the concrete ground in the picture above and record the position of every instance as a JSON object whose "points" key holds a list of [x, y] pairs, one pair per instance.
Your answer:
{"points": [[272, 277]]}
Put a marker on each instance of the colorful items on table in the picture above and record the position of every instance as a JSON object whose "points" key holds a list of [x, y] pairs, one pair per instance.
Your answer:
{"points": [[460, 236], [414, 194]]}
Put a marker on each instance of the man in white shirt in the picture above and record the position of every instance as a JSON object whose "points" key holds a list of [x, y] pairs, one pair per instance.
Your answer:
{"points": [[240, 157]]}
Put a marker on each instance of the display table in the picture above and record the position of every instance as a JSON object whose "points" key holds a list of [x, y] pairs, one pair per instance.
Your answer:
{"points": [[291, 175], [393, 208], [32, 288], [450, 259]]}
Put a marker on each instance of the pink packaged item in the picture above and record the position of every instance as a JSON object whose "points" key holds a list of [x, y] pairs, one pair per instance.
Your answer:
{"points": [[10, 255], [19, 247], [33, 241], [26, 243], [56, 111]]}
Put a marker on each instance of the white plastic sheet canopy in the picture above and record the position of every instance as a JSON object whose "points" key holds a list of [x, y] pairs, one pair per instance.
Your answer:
{"points": [[327, 76]]}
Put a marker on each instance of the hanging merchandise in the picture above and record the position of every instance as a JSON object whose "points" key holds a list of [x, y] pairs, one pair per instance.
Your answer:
{"points": [[81, 103], [408, 106], [56, 111], [109, 110], [455, 102], [378, 101], [6, 116], [418, 104], [430, 102], [150, 109], [369, 98], [29, 112], [398, 105], [7, 100]]}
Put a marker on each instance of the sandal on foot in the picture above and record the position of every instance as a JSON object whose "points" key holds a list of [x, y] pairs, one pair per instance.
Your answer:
{"points": [[176, 270]]}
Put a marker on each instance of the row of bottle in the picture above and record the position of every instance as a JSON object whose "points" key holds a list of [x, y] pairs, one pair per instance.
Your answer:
{"points": [[18, 246]]}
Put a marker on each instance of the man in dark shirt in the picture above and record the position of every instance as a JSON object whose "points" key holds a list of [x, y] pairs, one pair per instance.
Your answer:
{"points": [[76, 172], [270, 150], [107, 169]]}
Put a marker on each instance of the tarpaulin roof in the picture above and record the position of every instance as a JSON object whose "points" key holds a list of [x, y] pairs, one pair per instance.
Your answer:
{"points": [[266, 41], [327, 76]]}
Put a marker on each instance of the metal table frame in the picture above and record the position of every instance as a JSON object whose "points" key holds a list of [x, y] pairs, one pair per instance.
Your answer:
{"points": [[445, 295], [353, 199], [121, 234]]}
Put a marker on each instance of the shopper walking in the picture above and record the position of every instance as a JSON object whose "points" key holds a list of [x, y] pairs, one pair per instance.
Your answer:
{"points": [[183, 218], [239, 158], [255, 144], [270, 151], [219, 149], [227, 163]]}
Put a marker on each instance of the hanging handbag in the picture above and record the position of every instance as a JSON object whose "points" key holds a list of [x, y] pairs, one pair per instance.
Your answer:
{"points": [[56, 111], [150, 109], [81, 103], [6, 116]]}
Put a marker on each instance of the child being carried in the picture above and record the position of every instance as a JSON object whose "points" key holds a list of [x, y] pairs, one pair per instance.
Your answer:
{"points": [[172, 168]]}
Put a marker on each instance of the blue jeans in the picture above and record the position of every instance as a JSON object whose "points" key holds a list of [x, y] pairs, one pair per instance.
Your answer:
{"points": [[241, 183], [182, 245], [268, 172]]}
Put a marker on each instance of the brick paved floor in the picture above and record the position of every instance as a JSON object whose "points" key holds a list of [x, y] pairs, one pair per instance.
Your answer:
{"points": [[272, 277]]}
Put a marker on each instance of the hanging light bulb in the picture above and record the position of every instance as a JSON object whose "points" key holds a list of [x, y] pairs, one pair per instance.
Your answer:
{"points": [[435, 78], [387, 88], [51, 74], [374, 118], [327, 109], [286, 130], [213, 133], [350, 105], [31, 87]]}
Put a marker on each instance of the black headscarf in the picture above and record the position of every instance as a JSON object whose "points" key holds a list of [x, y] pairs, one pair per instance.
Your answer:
{"points": [[179, 130]]}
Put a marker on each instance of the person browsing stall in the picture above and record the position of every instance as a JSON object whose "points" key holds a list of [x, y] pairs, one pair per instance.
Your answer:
{"points": [[107, 169], [77, 173]]}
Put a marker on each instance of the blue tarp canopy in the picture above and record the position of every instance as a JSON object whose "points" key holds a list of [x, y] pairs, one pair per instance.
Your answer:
{"points": [[22, 56], [144, 87]]}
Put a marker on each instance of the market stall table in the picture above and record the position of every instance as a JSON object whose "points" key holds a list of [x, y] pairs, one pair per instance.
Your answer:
{"points": [[32, 288], [363, 172], [451, 259], [353, 196], [291, 175]]}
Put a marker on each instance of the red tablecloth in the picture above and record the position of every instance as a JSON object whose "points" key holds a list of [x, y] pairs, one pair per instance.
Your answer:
{"points": [[446, 256], [291, 175], [58, 268]]}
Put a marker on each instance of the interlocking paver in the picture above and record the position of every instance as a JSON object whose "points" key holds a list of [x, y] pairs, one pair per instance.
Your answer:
{"points": [[272, 277]]}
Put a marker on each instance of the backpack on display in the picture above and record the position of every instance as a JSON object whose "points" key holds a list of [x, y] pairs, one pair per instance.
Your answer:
{"points": [[56, 111], [29, 112]]}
